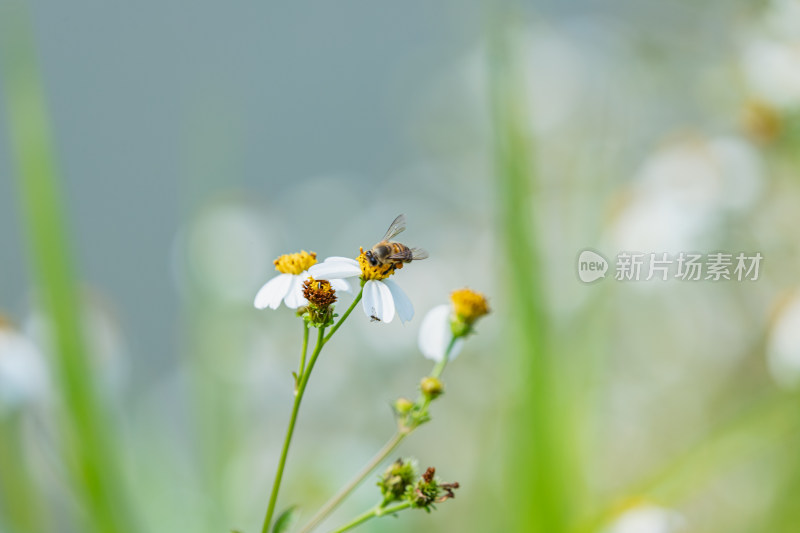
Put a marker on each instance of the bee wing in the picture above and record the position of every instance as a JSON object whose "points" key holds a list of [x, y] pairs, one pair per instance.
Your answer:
{"points": [[397, 226], [418, 254]]}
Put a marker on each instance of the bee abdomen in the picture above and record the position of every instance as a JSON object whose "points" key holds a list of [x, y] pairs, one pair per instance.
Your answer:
{"points": [[401, 252]]}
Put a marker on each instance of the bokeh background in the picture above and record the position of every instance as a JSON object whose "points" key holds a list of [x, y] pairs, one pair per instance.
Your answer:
{"points": [[192, 143]]}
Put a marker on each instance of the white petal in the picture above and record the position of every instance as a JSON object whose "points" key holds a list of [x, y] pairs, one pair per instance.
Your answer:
{"points": [[378, 301], [435, 334], [348, 260], [334, 270], [294, 297], [405, 310], [341, 285], [273, 291]]}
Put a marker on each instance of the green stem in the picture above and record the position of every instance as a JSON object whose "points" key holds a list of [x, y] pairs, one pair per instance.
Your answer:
{"points": [[290, 430], [345, 491], [372, 513], [439, 368], [302, 356], [300, 387], [344, 316], [379, 457]]}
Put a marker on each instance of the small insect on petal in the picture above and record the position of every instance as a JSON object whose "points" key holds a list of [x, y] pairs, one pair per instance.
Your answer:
{"points": [[378, 297]]}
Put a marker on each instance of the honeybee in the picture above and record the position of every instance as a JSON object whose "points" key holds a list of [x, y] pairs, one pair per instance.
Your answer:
{"points": [[388, 252]]}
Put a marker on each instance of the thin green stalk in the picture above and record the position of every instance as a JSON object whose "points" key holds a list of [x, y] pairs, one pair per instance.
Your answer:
{"points": [[300, 387], [87, 447], [276, 485], [302, 368], [372, 513], [379, 457], [345, 491], [21, 507], [345, 315]]}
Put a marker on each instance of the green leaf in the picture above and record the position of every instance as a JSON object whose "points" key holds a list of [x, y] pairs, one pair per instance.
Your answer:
{"points": [[285, 520]]}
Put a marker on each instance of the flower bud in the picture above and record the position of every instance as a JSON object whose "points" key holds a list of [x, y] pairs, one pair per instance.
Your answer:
{"points": [[431, 388], [403, 406]]}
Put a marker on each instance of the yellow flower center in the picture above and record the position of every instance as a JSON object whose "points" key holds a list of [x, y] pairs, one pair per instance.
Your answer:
{"points": [[319, 292], [469, 305], [295, 263], [377, 272]]}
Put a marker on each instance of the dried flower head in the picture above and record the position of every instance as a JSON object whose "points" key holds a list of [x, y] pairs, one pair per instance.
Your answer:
{"points": [[428, 490], [319, 292], [396, 480]]}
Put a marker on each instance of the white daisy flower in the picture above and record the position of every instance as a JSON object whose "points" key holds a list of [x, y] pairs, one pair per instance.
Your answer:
{"points": [[381, 297], [288, 285], [648, 518], [446, 321], [23, 372]]}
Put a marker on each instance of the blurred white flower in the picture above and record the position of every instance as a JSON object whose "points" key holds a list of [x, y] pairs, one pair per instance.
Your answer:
{"points": [[684, 189], [783, 348], [772, 69], [105, 341], [771, 59], [647, 519], [288, 285], [436, 333], [23, 373], [224, 251], [381, 296]]}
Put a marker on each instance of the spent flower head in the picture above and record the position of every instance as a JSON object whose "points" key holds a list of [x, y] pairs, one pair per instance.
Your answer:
{"points": [[429, 490], [396, 479], [321, 296]]}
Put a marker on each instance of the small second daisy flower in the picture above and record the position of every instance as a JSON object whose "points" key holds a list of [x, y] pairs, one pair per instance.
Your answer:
{"points": [[382, 297], [288, 285], [446, 325]]}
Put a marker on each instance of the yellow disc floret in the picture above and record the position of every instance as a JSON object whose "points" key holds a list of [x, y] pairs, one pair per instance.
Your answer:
{"points": [[377, 272], [295, 263], [469, 305]]}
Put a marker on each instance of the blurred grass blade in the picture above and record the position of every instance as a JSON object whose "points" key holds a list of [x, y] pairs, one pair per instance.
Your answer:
{"points": [[535, 469], [285, 520], [86, 447]]}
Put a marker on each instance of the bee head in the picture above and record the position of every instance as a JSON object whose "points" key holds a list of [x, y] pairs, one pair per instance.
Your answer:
{"points": [[371, 258]]}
